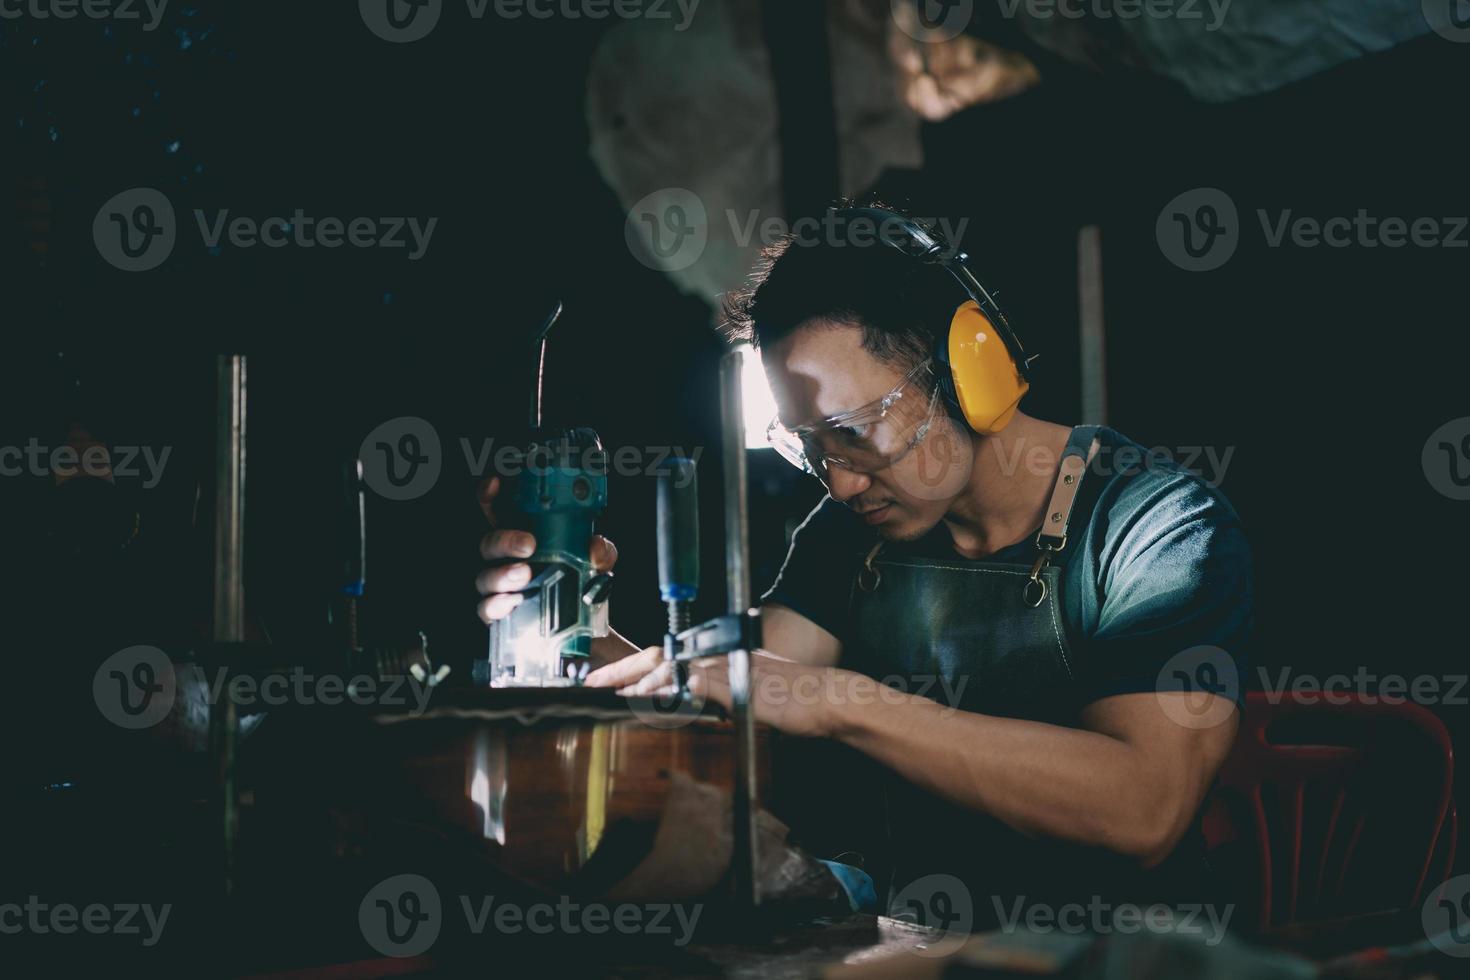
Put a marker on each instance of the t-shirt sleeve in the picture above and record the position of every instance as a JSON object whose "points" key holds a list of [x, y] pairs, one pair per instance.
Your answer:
{"points": [[1178, 579], [816, 578]]}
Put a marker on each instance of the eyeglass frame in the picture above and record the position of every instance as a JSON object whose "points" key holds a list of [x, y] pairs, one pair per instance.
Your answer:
{"points": [[881, 406]]}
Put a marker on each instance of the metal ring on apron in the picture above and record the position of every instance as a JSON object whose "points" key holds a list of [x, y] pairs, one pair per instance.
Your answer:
{"points": [[868, 577]]}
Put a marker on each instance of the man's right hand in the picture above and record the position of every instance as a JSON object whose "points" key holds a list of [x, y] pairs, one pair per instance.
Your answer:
{"points": [[502, 583]]}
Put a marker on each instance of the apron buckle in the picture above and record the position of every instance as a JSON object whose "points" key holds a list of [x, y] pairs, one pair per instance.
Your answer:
{"points": [[1035, 590], [868, 577]]}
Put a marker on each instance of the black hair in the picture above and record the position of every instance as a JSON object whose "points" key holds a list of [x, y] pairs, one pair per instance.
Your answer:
{"points": [[902, 305]]}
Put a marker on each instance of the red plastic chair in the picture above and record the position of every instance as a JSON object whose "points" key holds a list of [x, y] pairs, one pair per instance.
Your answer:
{"points": [[1328, 810]]}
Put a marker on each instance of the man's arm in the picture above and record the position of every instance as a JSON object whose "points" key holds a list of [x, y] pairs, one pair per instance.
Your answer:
{"points": [[1131, 780], [790, 635]]}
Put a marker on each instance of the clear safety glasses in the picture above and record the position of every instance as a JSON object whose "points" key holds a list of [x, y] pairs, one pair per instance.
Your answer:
{"points": [[867, 439]]}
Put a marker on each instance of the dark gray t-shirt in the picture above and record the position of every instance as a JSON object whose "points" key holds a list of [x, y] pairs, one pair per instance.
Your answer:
{"points": [[1156, 565]]}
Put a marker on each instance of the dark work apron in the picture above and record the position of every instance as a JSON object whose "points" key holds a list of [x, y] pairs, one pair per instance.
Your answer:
{"points": [[990, 638], [981, 636]]}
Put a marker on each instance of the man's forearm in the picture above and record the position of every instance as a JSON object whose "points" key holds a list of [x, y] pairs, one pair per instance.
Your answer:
{"points": [[1043, 780]]}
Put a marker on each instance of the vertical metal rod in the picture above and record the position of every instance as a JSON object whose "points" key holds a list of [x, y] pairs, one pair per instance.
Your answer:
{"points": [[229, 584], [743, 861], [1090, 316]]}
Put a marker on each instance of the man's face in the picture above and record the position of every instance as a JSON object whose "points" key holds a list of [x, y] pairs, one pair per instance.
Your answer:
{"points": [[820, 370]]}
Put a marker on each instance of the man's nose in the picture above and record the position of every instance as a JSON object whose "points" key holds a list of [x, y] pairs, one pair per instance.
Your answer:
{"points": [[843, 484]]}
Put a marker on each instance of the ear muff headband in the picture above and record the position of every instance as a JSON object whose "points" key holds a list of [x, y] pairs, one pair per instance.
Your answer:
{"points": [[985, 379]]}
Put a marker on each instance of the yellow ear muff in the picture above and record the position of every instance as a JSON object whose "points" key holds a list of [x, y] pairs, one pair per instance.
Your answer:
{"points": [[986, 380]]}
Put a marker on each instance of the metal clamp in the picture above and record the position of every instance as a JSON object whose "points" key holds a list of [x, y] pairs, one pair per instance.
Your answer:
{"points": [[719, 636]]}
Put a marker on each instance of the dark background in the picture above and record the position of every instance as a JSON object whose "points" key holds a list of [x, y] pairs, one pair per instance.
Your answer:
{"points": [[1325, 369]]}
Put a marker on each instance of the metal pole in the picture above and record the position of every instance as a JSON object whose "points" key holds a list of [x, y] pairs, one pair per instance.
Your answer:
{"points": [[229, 584], [1090, 315], [737, 561]]}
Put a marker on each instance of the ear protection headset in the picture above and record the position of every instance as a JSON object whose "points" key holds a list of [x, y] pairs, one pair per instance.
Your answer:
{"points": [[982, 368]]}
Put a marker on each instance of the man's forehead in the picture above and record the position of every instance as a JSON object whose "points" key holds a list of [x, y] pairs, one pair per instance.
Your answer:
{"points": [[822, 369]]}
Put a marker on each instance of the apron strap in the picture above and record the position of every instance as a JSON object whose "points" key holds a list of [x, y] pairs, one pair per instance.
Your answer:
{"points": [[1081, 446]]}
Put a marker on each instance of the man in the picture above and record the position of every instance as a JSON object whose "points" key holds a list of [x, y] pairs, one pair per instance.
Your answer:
{"points": [[1013, 618]]}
